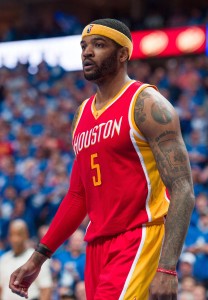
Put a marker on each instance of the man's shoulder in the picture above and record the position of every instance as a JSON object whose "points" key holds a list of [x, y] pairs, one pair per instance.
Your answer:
{"points": [[6, 256]]}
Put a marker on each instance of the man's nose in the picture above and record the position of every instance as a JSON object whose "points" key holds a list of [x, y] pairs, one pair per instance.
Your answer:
{"points": [[88, 52]]}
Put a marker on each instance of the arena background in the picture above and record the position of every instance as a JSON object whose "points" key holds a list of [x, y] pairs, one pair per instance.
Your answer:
{"points": [[38, 101]]}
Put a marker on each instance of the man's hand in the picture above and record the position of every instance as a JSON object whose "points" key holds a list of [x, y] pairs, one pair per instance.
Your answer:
{"points": [[163, 287], [23, 277]]}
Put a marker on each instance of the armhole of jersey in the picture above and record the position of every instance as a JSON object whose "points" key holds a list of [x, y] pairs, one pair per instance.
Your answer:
{"points": [[81, 109], [132, 106]]}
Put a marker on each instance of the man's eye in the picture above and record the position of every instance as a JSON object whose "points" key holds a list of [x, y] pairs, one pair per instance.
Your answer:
{"points": [[99, 45]]}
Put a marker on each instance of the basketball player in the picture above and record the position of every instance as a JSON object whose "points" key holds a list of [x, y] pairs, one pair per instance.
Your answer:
{"points": [[129, 149]]}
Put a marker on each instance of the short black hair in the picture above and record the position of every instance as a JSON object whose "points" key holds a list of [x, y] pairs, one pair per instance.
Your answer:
{"points": [[114, 24]]}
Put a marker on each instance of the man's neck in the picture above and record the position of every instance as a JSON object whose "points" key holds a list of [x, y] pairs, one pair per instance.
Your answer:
{"points": [[108, 89]]}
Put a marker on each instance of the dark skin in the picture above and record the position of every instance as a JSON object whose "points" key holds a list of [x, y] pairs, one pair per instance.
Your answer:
{"points": [[158, 122], [95, 49]]}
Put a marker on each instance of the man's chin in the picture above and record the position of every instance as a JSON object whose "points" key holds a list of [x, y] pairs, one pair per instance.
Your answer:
{"points": [[91, 76]]}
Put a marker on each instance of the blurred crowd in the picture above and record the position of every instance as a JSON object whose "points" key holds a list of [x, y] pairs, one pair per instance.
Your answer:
{"points": [[41, 25], [36, 112], [49, 23]]}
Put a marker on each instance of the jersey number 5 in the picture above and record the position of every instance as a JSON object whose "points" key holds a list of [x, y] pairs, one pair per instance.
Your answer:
{"points": [[95, 166]]}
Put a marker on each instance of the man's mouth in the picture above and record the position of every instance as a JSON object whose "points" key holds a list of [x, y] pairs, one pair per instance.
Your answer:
{"points": [[87, 64]]}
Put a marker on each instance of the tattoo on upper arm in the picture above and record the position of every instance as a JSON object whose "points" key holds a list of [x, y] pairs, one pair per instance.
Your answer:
{"points": [[160, 113], [139, 114], [168, 148]]}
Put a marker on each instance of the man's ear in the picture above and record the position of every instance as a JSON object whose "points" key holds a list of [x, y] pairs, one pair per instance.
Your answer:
{"points": [[123, 54]]}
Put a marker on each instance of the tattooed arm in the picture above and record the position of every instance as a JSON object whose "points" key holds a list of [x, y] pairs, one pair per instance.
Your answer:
{"points": [[158, 121]]}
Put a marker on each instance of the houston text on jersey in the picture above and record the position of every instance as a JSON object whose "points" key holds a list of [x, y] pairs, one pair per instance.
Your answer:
{"points": [[99, 132]]}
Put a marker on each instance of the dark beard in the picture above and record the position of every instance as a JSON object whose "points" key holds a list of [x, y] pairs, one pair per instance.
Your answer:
{"points": [[107, 67]]}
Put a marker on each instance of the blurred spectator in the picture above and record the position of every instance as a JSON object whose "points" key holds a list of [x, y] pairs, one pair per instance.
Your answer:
{"points": [[69, 24], [197, 243], [153, 19], [200, 123], [11, 178], [80, 291], [2, 249], [189, 78], [18, 237], [20, 211], [5, 143], [197, 150], [185, 110], [72, 260], [196, 17], [67, 297], [203, 176], [8, 201], [66, 293], [186, 263], [199, 292], [177, 18], [200, 206], [185, 296], [187, 284]]}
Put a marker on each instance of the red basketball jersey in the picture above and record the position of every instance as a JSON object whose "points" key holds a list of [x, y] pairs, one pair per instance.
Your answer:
{"points": [[122, 185]]}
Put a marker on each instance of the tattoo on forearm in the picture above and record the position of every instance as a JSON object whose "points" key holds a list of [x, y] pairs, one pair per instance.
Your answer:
{"points": [[174, 169], [177, 220]]}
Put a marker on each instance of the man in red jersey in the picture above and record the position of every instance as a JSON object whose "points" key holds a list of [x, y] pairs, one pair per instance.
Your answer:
{"points": [[129, 149]]}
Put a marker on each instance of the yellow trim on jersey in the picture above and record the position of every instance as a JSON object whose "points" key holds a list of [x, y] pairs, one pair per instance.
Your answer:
{"points": [[98, 112], [81, 108], [110, 33], [156, 202], [145, 264]]}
